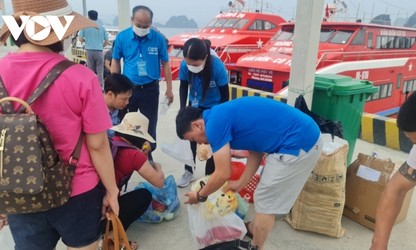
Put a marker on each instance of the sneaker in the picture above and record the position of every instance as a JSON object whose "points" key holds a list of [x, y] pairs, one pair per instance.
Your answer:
{"points": [[186, 178]]}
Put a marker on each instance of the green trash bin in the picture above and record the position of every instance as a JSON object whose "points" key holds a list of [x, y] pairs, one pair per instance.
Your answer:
{"points": [[342, 98]]}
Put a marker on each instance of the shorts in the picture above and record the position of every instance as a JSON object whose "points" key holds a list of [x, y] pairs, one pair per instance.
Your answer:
{"points": [[77, 222], [282, 180]]}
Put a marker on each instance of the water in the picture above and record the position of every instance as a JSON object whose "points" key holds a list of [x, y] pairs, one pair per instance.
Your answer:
{"points": [[169, 32]]}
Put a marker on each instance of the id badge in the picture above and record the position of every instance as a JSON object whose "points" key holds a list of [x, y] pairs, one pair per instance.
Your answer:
{"points": [[194, 103], [141, 67]]}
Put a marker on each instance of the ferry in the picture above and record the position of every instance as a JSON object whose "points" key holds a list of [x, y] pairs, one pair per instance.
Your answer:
{"points": [[382, 54], [232, 34]]}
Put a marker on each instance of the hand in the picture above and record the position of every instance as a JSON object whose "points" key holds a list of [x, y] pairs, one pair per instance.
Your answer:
{"points": [[110, 202], [169, 95], [233, 186], [3, 221], [192, 198]]}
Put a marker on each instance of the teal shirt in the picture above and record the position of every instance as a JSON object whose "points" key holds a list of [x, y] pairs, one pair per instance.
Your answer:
{"points": [[94, 38]]}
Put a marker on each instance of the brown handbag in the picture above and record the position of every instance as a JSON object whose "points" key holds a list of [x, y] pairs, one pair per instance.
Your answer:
{"points": [[33, 177], [119, 240]]}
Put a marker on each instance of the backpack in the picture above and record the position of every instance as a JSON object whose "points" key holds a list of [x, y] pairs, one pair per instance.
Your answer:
{"points": [[115, 145], [33, 177]]}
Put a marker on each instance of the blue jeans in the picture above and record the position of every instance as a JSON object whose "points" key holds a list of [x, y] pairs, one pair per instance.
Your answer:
{"points": [[77, 222]]}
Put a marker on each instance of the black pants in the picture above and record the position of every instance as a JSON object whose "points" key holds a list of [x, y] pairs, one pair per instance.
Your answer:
{"points": [[209, 165], [132, 205]]}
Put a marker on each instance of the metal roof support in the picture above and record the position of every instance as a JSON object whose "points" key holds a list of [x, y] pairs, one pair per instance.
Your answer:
{"points": [[124, 14], [305, 49]]}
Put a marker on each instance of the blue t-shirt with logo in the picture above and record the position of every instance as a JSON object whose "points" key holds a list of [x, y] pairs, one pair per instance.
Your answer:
{"points": [[151, 50], [260, 124], [219, 77]]}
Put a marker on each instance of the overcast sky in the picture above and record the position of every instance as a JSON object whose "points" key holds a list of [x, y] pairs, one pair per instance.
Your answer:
{"points": [[203, 10]]}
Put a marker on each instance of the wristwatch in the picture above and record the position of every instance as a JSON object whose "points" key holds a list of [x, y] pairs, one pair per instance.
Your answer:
{"points": [[201, 198]]}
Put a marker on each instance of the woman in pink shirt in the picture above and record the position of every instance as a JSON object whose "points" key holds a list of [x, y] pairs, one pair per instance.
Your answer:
{"points": [[72, 104]]}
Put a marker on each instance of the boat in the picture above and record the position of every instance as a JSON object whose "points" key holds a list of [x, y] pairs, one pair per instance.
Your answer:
{"points": [[232, 33], [384, 55]]}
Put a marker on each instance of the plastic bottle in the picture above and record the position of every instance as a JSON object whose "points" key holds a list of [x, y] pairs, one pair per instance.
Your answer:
{"points": [[164, 106]]}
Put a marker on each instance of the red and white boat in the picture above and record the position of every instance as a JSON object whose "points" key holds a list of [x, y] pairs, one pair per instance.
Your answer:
{"points": [[232, 34], [384, 55]]}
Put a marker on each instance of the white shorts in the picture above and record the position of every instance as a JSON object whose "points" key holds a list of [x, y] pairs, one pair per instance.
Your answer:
{"points": [[282, 180]]}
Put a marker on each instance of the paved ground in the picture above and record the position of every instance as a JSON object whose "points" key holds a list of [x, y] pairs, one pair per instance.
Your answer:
{"points": [[175, 235]]}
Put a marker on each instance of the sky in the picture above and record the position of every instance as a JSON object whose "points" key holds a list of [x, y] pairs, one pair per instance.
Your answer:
{"points": [[202, 11]]}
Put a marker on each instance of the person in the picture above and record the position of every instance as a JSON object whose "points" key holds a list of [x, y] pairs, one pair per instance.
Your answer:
{"points": [[263, 126], [71, 105], [144, 52], [204, 79], [403, 180], [133, 130], [108, 56], [117, 92], [95, 40]]}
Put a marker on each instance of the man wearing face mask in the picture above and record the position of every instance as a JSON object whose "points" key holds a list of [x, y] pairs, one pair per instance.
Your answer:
{"points": [[204, 79], [95, 40], [144, 50]]}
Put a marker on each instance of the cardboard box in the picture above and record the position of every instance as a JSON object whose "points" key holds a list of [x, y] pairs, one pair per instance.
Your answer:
{"points": [[366, 178]]}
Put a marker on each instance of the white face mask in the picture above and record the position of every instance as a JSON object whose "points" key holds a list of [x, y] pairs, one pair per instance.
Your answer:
{"points": [[140, 32], [195, 69], [66, 45]]}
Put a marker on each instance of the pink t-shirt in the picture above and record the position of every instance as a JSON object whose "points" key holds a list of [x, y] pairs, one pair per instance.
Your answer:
{"points": [[74, 102]]}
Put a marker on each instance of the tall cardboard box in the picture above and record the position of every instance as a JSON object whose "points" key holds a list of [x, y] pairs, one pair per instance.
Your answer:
{"points": [[366, 178]]}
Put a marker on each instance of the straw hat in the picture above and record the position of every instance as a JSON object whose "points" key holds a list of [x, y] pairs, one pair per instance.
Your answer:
{"points": [[59, 8], [134, 124]]}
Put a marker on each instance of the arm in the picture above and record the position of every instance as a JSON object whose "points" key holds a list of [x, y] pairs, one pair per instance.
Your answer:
{"points": [[225, 93], [183, 93], [105, 43], [222, 173], [153, 174], [168, 78], [107, 64], [388, 208], [102, 160], [3, 221], [253, 162], [115, 66]]}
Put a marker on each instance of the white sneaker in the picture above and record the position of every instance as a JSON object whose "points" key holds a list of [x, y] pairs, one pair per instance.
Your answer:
{"points": [[186, 178]]}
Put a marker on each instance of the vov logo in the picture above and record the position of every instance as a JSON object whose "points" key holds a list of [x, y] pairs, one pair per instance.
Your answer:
{"points": [[29, 23]]}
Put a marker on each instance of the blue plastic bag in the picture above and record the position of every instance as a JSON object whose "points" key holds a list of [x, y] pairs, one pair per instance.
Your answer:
{"points": [[168, 195]]}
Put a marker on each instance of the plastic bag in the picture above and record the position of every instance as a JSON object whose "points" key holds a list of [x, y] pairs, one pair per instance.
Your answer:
{"points": [[165, 204], [181, 151], [218, 229], [203, 151]]}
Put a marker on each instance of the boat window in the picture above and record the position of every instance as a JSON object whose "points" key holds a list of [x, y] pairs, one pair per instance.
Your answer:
{"points": [[370, 40], [377, 94], [176, 52], [240, 24], [399, 80], [325, 34], [341, 37], [412, 41], [212, 23], [219, 23], [359, 39], [383, 91], [283, 35], [262, 25], [230, 23], [390, 89]]}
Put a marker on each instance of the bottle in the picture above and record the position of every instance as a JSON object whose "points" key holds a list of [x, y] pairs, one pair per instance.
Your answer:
{"points": [[164, 106]]}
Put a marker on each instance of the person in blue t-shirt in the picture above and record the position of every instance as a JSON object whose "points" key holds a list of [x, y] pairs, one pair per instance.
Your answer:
{"points": [[290, 138], [95, 40], [204, 83], [144, 51]]}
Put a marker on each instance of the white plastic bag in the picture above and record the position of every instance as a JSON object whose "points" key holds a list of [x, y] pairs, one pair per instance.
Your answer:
{"points": [[181, 151], [207, 232]]}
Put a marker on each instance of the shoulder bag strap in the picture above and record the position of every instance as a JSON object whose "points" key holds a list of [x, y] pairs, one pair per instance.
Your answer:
{"points": [[73, 159], [48, 80]]}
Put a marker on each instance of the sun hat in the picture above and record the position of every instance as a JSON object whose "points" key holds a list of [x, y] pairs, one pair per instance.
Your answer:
{"points": [[134, 124], [59, 8]]}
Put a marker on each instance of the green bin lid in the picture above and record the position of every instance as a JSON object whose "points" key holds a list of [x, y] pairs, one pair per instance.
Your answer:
{"points": [[342, 85]]}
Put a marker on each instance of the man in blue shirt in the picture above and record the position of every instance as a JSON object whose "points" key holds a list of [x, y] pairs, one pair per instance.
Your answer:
{"points": [[290, 138], [95, 40], [117, 92], [144, 51]]}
